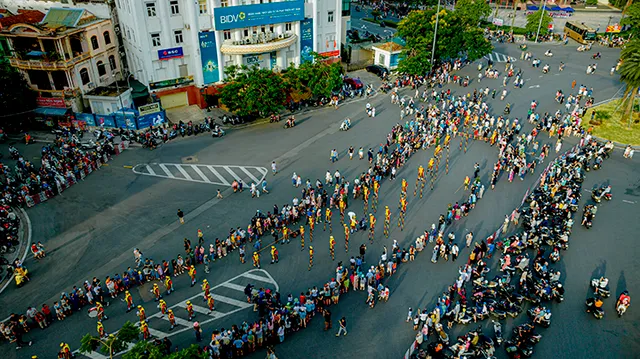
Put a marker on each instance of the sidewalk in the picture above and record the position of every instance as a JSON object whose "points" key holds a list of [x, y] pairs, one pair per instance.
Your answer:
{"points": [[24, 236]]}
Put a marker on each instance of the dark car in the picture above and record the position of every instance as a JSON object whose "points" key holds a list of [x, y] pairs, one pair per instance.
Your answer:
{"points": [[378, 70], [354, 83]]}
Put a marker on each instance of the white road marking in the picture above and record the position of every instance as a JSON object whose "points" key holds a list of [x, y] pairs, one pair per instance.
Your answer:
{"points": [[534, 86], [186, 325], [166, 171], [233, 286], [631, 202], [255, 180], [215, 173], [151, 171], [184, 173], [197, 170], [233, 174]]}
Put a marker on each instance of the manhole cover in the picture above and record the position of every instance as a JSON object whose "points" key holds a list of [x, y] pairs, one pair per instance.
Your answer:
{"points": [[189, 159]]}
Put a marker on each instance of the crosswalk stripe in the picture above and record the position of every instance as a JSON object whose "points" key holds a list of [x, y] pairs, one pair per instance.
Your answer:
{"points": [[184, 173], [233, 174], [179, 321], [233, 286], [231, 301], [215, 173], [157, 333], [197, 170], [166, 171], [257, 277], [203, 310], [151, 171], [250, 175]]}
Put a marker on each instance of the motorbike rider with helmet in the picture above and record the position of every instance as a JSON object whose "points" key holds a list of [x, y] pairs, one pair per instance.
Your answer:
{"points": [[624, 300]]}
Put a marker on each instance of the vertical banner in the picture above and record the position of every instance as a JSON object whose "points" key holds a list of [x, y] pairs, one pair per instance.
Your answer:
{"points": [[306, 40], [273, 59], [209, 56]]}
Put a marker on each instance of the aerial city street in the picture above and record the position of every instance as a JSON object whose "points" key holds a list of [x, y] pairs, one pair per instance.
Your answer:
{"points": [[319, 179]]}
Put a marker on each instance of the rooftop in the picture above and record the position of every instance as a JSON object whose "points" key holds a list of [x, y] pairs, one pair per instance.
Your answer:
{"points": [[24, 17], [389, 46]]}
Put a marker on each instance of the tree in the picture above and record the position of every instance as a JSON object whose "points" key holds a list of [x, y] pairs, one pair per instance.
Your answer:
{"points": [[515, 11], [112, 344], [472, 11], [533, 21], [630, 75], [149, 350], [458, 35], [16, 97], [320, 77], [632, 17], [253, 92]]}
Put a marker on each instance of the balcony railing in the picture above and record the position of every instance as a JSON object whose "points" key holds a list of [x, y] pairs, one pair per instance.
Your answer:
{"points": [[47, 65], [264, 42]]}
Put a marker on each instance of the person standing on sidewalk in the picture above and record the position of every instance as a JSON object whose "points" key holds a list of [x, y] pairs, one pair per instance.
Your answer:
{"points": [[343, 326], [180, 216]]}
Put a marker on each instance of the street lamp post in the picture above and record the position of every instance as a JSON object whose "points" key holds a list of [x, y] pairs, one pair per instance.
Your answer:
{"points": [[544, 4], [435, 35], [124, 116]]}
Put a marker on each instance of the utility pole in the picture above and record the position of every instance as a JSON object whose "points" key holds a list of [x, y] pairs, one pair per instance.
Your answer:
{"points": [[544, 4], [435, 35]]}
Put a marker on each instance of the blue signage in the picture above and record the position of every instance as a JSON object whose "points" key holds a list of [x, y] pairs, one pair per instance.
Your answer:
{"points": [[306, 40], [209, 57], [126, 120], [87, 118], [172, 53], [233, 17], [105, 121], [153, 119]]}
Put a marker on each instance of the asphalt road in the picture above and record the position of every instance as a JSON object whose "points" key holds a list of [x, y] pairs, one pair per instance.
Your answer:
{"points": [[92, 229]]}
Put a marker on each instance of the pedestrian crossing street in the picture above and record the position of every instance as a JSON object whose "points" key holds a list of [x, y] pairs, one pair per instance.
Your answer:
{"points": [[229, 299], [499, 57], [208, 174]]}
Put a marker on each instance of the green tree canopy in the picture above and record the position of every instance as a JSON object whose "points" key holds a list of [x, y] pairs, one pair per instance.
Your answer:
{"points": [[112, 344], [632, 17], [319, 76], [16, 97], [630, 75], [253, 92], [472, 11], [458, 35], [533, 21], [148, 350]]}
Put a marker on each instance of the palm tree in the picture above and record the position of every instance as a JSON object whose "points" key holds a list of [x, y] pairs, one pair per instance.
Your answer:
{"points": [[630, 75], [515, 8]]}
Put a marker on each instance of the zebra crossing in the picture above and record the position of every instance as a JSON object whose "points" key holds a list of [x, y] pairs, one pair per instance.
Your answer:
{"points": [[229, 299], [499, 57], [222, 175]]}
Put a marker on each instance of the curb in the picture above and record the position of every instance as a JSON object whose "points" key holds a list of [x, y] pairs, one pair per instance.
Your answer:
{"points": [[25, 231]]}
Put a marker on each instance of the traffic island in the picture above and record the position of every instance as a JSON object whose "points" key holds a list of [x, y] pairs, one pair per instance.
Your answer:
{"points": [[605, 121]]}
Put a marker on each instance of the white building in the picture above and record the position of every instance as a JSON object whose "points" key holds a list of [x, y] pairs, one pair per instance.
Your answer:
{"points": [[181, 47]]}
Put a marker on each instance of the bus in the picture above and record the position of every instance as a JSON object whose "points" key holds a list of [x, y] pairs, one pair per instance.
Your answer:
{"points": [[581, 33]]}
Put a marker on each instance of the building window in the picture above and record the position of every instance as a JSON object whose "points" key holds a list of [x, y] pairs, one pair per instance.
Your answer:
{"points": [[177, 34], [288, 26], [202, 5], [183, 70], [224, 3], [226, 35], [330, 17], [151, 9], [271, 28], [246, 32], [102, 70], [107, 37], [175, 9], [84, 76], [113, 65], [94, 42], [155, 40]]}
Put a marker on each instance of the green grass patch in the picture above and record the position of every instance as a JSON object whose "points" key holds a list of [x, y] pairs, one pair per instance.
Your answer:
{"points": [[608, 123]]}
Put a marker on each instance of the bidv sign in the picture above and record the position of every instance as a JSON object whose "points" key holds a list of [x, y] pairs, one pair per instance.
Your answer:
{"points": [[233, 17]]}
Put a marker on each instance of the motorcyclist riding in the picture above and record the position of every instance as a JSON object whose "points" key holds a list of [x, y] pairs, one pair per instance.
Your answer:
{"points": [[346, 124], [548, 53], [291, 122], [623, 303]]}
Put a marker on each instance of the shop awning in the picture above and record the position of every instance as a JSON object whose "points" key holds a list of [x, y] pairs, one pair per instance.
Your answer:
{"points": [[139, 90], [51, 111]]}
